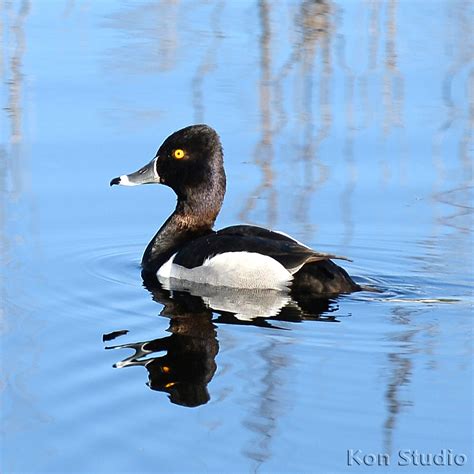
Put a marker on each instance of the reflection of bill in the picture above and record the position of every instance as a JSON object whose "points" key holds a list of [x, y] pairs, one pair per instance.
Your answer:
{"points": [[188, 363]]}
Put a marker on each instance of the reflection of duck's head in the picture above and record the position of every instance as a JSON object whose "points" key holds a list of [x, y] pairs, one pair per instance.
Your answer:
{"points": [[188, 364], [186, 247]]}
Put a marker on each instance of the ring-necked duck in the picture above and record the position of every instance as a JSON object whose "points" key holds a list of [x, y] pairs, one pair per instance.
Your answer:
{"points": [[186, 248]]}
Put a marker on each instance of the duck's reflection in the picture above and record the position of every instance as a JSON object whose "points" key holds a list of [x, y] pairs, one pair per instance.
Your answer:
{"points": [[186, 363]]}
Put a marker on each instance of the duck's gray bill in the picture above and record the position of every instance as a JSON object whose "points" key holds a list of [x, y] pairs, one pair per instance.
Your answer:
{"points": [[145, 175]]}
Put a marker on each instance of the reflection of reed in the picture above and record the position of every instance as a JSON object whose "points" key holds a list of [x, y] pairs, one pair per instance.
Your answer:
{"points": [[10, 162], [21, 412], [208, 64], [393, 82], [315, 25], [2, 42], [152, 29], [356, 87], [264, 416], [374, 33], [458, 198], [152, 46], [400, 370], [68, 8], [348, 190], [264, 150], [14, 99], [400, 367], [461, 201]]}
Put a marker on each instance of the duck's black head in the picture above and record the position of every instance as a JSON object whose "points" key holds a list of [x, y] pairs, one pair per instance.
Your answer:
{"points": [[190, 161]]}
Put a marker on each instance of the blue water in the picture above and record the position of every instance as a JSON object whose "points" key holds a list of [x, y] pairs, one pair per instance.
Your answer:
{"points": [[346, 124]]}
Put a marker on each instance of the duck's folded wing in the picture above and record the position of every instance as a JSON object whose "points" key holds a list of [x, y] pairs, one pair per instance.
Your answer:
{"points": [[255, 231], [284, 250]]}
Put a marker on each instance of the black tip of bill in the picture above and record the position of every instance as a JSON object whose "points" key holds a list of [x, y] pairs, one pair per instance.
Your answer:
{"points": [[115, 181]]}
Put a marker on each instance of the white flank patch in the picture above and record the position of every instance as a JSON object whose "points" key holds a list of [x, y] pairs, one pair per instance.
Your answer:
{"points": [[232, 269], [165, 270]]}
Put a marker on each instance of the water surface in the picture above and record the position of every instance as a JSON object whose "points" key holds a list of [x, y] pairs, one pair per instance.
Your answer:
{"points": [[346, 124]]}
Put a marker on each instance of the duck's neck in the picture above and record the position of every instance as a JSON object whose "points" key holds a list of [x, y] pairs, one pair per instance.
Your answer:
{"points": [[190, 220]]}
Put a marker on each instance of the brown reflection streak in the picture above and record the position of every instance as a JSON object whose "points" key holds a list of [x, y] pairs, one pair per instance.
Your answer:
{"points": [[2, 42], [167, 16], [69, 8], [10, 160], [22, 412], [459, 198], [374, 33], [347, 192], [400, 368], [393, 82], [265, 415], [208, 63], [152, 32], [14, 101], [263, 155], [315, 24], [356, 86]]}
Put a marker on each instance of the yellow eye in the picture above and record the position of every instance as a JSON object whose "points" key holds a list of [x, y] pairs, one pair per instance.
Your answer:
{"points": [[178, 154]]}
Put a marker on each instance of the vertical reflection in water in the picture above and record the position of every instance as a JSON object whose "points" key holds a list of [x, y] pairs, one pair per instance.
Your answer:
{"points": [[264, 417], [467, 139], [459, 198], [314, 22], [68, 8], [152, 46], [3, 237], [393, 82], [400, 369], [11, 166], [208, 63], [165, 33], [347, 192], [263, 155], [373, 46], [357, 84], [21, 408], [3, 169], [13, 107], [2, 42], [374, 33]]}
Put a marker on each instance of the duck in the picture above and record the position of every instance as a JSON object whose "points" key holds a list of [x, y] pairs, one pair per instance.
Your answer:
{"points": [[186, 248]]}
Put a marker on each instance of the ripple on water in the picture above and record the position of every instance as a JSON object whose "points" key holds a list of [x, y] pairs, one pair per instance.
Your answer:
{"points": [[104, 279]]}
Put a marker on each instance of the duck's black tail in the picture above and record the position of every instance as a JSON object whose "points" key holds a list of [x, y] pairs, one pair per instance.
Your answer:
{"points": [[323, 277]]}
